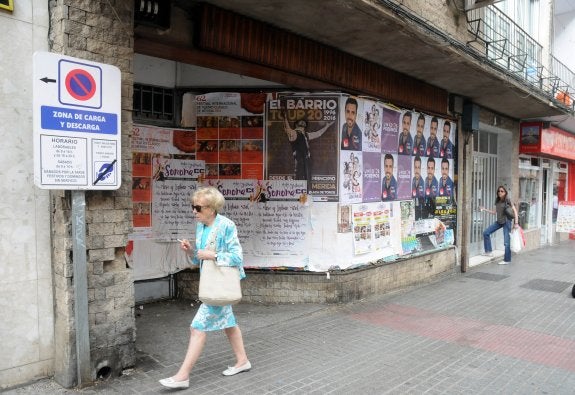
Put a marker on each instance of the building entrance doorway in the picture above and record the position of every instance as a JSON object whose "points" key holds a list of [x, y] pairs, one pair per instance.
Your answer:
{"points": [[484, 189], [484, 186]]}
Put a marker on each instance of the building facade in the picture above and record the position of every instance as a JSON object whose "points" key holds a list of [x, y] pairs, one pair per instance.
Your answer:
{"points": [[478, 68]]}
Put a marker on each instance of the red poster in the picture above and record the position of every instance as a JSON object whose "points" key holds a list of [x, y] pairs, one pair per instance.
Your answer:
{"points": [[230, 134]]}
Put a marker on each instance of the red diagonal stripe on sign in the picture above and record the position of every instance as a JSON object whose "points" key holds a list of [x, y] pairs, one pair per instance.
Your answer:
{"points": [[80, 84]]}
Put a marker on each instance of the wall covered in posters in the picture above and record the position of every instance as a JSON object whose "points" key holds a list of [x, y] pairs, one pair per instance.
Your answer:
{"points": [[313, 181], [164, 174], [389, 154]]}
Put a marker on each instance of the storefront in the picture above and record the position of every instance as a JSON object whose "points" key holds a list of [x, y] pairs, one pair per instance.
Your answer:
{"points": [[546, 178], [345, 218], [245, 151]]}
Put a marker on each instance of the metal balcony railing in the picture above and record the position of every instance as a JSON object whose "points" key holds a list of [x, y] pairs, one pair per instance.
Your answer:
{"points": [[508, 47], [565, 82]]}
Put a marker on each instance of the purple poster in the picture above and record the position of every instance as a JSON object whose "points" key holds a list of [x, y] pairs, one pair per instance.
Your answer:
{"points": [[403, 177], [372, 177], [390, 129]]}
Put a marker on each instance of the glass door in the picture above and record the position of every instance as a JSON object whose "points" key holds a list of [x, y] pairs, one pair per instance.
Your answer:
{"points": [[559, 194], [545, 208], [529, 196]]}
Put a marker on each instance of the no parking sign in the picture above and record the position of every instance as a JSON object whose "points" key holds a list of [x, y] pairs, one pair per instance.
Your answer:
{"points": [[80, 84], [77, 135]]}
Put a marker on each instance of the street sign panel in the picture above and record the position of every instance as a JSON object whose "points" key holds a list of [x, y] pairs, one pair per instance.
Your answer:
{"points": [[77, 134]]}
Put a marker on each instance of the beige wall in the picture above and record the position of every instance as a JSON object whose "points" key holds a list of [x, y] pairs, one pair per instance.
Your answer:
{"points": [[36, 277], [26, 326]]}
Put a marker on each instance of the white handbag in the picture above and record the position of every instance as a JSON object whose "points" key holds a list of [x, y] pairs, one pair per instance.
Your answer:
{"points": [[219, 285]]}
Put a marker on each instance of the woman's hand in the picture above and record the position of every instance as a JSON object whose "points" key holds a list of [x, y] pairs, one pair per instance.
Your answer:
{"points": [[186, 246], [206, 254]]}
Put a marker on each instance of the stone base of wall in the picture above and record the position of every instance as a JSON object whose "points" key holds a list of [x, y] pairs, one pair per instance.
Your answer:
{"points": [[343, 286], [532, 239], [111, 361]]}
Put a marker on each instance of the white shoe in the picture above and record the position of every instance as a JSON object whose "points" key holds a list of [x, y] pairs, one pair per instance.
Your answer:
{"points": [[504, 263], [171, 383], [231, 370]]}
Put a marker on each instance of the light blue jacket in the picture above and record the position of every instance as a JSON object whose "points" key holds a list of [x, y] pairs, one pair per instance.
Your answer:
{"points": [[227, 244]]}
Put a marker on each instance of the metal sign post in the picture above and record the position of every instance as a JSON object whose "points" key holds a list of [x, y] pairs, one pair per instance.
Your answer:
{"points": [[80, 286]]}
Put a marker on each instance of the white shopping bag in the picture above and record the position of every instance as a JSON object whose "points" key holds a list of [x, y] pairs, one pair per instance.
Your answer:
{"points": [[516, 242]]}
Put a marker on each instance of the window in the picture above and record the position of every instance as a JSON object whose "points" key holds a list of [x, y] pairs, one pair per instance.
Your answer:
{"points": [[153, 103], [528, 207], [485, 142]]}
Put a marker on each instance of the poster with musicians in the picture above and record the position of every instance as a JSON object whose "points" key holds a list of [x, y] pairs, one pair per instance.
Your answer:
{"points": [[301, 142], [403, 155]]}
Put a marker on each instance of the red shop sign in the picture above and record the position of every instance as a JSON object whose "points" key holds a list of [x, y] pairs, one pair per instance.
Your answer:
{"points": [[551, 141]]}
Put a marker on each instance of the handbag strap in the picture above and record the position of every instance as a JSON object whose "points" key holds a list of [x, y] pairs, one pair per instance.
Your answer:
{"points": [[211, 241]]}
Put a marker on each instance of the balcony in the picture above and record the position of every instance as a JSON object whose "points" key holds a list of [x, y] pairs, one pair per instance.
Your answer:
{"points": [[510, 49]]}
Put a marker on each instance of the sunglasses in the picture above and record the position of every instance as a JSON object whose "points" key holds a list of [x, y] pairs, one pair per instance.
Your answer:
{"points": [[197, 208], [501, 190]]}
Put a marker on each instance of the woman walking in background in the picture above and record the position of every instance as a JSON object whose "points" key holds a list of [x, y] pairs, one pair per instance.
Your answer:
{"points": [[502, 221], [227, 251]]}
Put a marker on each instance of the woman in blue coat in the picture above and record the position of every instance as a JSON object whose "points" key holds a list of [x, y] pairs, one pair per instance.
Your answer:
{"points": [[206, 203]]}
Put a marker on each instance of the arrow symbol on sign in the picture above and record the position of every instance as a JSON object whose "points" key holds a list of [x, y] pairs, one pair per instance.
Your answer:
{"points": [[46, 79]]}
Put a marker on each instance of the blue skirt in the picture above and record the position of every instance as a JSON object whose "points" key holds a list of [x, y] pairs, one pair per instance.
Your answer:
{"points": [[213, 318]]}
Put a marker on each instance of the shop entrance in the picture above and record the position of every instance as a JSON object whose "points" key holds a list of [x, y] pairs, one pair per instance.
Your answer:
{"points": [[553, 192], [557, 193]]}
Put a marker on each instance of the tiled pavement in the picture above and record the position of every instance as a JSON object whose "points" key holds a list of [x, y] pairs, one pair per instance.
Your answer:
{"points": [[493, 330]]}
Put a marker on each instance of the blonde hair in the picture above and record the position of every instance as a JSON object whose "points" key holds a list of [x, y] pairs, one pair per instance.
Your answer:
{"points": [[213, 198]]}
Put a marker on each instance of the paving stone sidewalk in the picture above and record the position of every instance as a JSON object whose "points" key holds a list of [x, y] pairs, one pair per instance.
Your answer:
{"points": [[493, 330]]}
